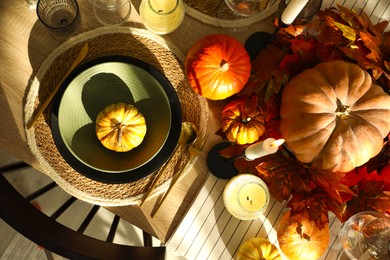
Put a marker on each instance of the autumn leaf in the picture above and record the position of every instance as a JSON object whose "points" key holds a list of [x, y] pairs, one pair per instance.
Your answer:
{"points": [[283, 175], [330, 183], [264, 67], [348, 32], [314, 204], [371, 197]]}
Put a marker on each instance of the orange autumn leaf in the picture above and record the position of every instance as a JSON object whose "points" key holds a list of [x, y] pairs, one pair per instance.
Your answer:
{"points": [[313, 204], [331, 183], [283, 175], [264, 67]]}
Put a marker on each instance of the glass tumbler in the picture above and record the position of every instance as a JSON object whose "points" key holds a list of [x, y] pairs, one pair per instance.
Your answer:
{"points": [[162, 16], [366, 235], [60, 16]]}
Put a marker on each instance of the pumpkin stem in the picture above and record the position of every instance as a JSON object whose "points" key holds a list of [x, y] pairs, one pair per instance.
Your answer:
{"points": [[224, 65], [342, 111], [118, 126]]}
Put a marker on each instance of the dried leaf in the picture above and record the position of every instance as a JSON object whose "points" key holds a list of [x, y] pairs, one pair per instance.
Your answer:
{"points": [[330, 183], [313, 204], [283, 176], [348, 32]]}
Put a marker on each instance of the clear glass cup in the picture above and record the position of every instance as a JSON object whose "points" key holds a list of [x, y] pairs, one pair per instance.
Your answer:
{"points": [[236, 10], [366, 235], [111, 12], [162, 16], [60, 16]]}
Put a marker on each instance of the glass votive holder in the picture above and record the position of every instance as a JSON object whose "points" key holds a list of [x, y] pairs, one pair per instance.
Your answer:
{"points": [[366, 235], [246, 196], [60, 16], [162, 16]]}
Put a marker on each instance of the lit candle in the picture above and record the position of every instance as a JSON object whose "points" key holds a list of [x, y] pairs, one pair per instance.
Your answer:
{"points": [[263, 148], [246, 196], [162, 16], [292, 10]]}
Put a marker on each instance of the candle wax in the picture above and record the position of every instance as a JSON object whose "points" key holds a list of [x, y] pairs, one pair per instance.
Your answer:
{"points": [[251, 197], [260, 149], [292, 10], [246, 196]]}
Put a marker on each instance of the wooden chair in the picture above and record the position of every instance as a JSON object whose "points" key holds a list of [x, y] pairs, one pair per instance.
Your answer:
{"points": [[25, 218]]}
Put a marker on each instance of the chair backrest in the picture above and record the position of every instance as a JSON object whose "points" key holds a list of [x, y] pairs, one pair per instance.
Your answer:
{"points": [[21, 215]]}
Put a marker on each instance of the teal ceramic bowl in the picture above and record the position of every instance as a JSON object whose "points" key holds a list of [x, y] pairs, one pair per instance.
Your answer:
{"points": [[107, 81]]}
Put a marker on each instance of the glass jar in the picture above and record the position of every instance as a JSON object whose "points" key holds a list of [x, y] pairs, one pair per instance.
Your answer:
{"points": [[162, 16]]}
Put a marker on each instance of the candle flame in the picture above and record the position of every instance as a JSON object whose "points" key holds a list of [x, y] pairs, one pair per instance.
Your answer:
{"points": [[278, 142]]}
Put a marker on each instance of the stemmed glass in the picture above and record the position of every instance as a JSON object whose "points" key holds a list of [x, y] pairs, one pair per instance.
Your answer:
{"points": [[236, 10], [366, 235], [111, 12]]}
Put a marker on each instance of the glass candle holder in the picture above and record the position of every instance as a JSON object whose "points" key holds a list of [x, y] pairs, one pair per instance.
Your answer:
{"points": [[162, 16], [366, 235], [246, 196]]}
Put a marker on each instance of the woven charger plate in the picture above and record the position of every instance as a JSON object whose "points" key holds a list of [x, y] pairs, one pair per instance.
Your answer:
{"points": [[106, 41], [207, 12]]}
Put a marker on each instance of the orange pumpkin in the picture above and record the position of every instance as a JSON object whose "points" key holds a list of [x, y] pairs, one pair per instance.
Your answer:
{"points": [[300, 239], [120, 127], [334, 117], [217, 66], [257, 248], [242, 121]]}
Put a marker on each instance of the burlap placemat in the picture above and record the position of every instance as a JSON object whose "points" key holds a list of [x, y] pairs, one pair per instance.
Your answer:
{"points": [[207, 12], [137, 43]]}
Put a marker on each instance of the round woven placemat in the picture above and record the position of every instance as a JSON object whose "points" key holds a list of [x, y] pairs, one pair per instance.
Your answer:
{"points": [[207, 12], [137, 43]]}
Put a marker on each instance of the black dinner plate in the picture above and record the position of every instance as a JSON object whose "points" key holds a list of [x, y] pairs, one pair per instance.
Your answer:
{"points": [[131, 175]]}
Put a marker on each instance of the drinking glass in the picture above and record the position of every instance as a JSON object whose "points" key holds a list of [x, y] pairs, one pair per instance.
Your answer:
{"points": [[162, 16], [366, 235], [111, 12], [238, 9], [60, 16]]}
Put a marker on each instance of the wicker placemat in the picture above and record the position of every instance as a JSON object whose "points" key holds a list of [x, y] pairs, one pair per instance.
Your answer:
{"points": [[207, 12], [137, 43]]}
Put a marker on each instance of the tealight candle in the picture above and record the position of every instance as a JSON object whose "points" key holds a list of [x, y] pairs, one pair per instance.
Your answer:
{"points": [[246, 196], [292, 10], [162, 16], [263, 148]]}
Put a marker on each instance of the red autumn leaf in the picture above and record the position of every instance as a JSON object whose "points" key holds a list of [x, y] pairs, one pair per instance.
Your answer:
{"points": [[313, 204], [385, 174], [371, 197], [264, 67], [331, 183], [373, 44], [350, 17], [283, 175]]}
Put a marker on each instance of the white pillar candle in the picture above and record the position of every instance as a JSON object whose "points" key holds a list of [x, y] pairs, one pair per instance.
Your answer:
{"points": [[263, 148], [292, 10], [246, 196], [162, 16]]}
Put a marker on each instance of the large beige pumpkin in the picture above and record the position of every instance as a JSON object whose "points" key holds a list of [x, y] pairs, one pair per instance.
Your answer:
{"points": [[334, 116]]}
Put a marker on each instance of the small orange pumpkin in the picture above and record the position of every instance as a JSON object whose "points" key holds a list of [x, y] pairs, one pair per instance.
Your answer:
{"points": [[120, 127], [242, 121], [299, 237], [258, 248], [217, 66]]}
